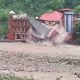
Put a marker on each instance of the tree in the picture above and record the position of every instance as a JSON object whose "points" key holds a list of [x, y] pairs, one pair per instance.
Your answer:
{"points": [[4, 13], [71, 3], [57, 4], [77, 9]]}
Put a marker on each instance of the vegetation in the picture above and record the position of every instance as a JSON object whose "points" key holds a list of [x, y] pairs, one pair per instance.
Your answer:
{"points": [[36, 7], [77, 29], [8, 77], [33, 7], [77, 9]]}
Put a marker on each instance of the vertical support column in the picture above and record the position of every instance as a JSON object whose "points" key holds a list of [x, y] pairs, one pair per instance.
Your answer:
{"points": [[68, 24], [68, 21]]}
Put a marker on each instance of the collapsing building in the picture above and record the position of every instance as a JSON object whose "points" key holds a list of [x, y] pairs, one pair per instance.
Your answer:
{"points": [[52, 26], [22, 27], [62, 25]]}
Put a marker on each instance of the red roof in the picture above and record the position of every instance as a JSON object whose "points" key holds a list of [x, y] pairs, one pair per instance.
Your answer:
{"points": [[53, 16], [44, 15]]}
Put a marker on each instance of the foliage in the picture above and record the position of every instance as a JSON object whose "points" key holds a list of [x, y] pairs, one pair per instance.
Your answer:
{"points": [[77, 9], [71, 3], [57, 4], [8, 77], [3, 29], [77, 29], [37, 7], [4, 13]]}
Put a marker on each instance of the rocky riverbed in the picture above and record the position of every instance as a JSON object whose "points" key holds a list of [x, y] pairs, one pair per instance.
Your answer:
{"points": [[15, 61], [41, 62]]}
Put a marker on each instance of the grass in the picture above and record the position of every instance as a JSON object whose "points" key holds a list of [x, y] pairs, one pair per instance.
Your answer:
{"points": [[7, 77]]}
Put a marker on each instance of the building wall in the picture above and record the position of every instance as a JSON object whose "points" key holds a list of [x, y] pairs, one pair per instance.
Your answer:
{"points": [[18, 28]]}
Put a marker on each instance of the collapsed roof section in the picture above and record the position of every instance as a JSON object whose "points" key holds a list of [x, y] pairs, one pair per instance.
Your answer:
{"points": [[39, 26]]}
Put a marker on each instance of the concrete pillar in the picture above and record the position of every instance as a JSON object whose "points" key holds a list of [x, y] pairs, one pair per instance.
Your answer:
{"points": [[68, 21], [68, 24]]}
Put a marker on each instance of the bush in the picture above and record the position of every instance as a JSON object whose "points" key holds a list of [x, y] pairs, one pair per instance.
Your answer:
{"points": [[77, 29], [3, 29], [8, 77], [77, 9], [4, 13]]}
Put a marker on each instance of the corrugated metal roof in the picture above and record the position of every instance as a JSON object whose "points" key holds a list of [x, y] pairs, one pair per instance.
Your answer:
{"points": [[39, 26]]}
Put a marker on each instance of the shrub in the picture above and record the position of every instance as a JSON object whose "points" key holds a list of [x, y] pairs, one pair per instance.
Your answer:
{"points": [[77, 29], [4, 13], [77, 9], [8, 77], [3, 29]]}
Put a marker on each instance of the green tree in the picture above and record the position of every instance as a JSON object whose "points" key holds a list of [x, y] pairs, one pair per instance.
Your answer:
{"points": [[4, 13], [57, 4], [77, 9], [71, 3]]}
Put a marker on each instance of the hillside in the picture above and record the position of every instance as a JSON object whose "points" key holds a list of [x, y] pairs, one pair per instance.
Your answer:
{"points": [[36, 7]]}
